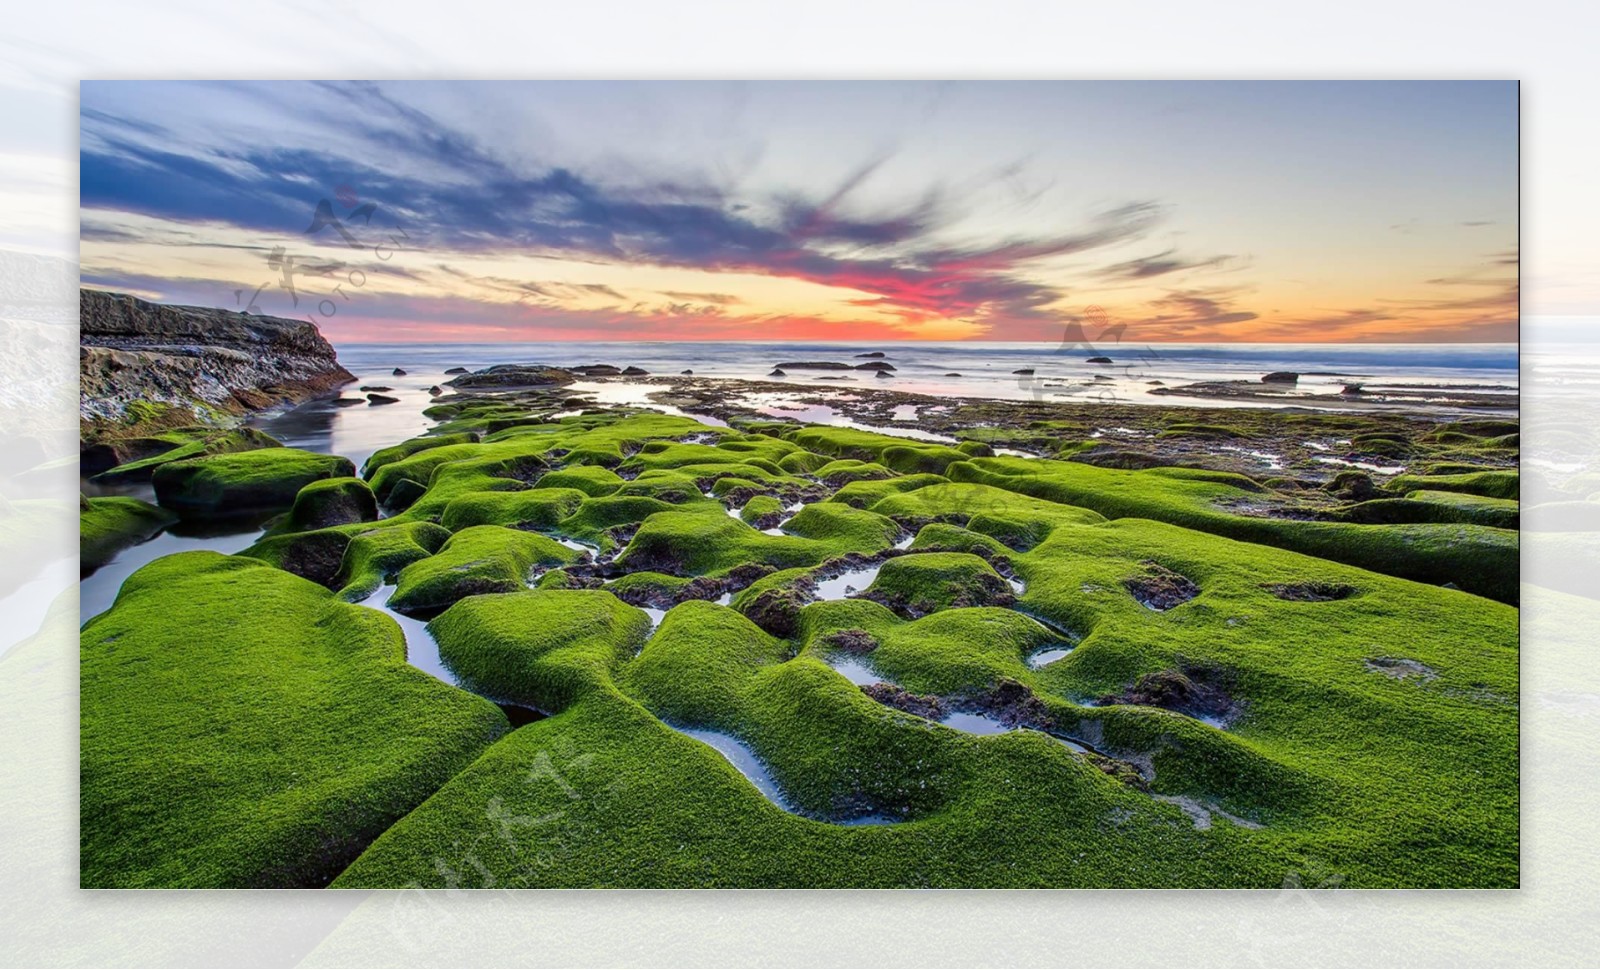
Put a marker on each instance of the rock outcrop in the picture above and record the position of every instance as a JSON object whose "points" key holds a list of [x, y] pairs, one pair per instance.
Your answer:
{"points": [[144, 365]]}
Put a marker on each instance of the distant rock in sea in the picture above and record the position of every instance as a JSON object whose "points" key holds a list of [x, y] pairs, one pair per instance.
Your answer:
{"points": [[777, 372], [1281, 377], [1025, 372], [143, 366], [686, 373], [952, 374], [399, 373], [502, 376], [875, 353], [380, 388], [634, 372], [456, 370], [1099, 360], [812, 365], [376, 399]]}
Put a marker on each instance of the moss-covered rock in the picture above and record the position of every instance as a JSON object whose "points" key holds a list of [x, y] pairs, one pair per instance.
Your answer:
{"points": [[268, 478], [106, 526], [243, 728], [927, 582], [330, 502], [476, 560]]}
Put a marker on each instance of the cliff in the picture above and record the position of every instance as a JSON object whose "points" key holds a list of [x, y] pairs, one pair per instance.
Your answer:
{"points": [[146, 365]]}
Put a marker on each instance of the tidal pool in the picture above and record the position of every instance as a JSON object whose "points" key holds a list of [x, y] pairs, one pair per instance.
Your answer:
{"points": [[846, 583]]}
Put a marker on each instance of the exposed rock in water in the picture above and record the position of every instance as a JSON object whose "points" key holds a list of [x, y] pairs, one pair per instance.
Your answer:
{"points": [[399, 373], [877, 365], [875, 353], [502, 376], [1099, 360], [456, 370], [1026, 371], [148, 365], [634, 372], [382, 399], [436, 390], [952, 374], [687, 373], [375, 388], [1281, 377], [812, 365], [884, 373], [777, 372]]}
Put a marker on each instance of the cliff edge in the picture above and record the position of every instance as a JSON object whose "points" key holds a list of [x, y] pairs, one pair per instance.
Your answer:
{"points": [[145, 366]]}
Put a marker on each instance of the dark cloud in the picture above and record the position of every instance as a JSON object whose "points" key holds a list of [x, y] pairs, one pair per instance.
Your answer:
{"points": [[1161, 264]]}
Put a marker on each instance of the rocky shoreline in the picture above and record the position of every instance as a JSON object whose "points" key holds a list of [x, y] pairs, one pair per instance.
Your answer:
{"points": [[146, 367]]}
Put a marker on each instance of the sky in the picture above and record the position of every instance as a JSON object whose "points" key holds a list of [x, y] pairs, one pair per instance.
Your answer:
{"points": [[833, 211]]}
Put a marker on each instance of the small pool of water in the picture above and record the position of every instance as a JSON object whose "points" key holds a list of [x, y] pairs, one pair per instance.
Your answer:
{"points": [[744, 760], [1047, 656], [422, 651], [854, 669], [847, 583], [1363, 465], [975, 723]]}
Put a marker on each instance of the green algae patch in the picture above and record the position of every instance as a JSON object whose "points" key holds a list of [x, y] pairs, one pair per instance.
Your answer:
{"points": [[540, 648], [406, 449], [476, 560], [706, 541], [588, 479], [330, 502], [106, 526], [924, 583], [1477, 558], [136, 459], [534, 508], [866, 492], [762, 511], [268, 478], [241, 727], [1489, 484]]}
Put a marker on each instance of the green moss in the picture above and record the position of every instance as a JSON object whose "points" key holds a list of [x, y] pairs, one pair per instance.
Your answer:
{"points": [[842, 471], [866, 492], [588, 479], [136, 459], [405, 449], [535, 508], [1490, 484], [106, 526], [1476, 558], [927, 582], [332, 501], [543, 649], [242, 728], [759, 507], [268, 478], [476, 560]]}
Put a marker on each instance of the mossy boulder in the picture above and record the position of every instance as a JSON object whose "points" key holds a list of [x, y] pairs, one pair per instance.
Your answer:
{"points": [[106, 526], [477, 560], [539, 648], [126, 460], [332, 501], [241, 727], [269, 478], [924, 583]]}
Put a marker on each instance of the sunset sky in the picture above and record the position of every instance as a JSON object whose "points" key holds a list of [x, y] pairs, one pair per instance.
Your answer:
{"points": [[874, 211]]}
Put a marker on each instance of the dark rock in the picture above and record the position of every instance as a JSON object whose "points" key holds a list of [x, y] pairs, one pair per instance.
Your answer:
{"points": [[687, 372], [875, 353], [876, 365], [398, 372], [634, 372], [1025, 372], [375, 399], [344, 402], [436, 390], [1159, 588], [456, 370], [922, 705], [777, 372], [884, 373], [1281, 377], [597, 370], [502, 376], [813, 365], [852, 641], [1198, 690], [1099, 360], [375, 388], [196, 360], [952, 374]]}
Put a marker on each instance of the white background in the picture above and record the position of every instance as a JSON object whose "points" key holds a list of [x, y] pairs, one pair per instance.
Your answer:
{"points": [[48, 47]]}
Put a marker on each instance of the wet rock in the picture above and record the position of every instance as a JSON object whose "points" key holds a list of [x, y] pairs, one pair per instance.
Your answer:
{"points": [[1281, 377], [1310, 592], [503, 376], [875, 353], [344, 402], [399, 373], [436, 390], [952, 374], [1098, 360], [854, 642], [1159, 588], [1201, 691], [456, 370], [1355, 486], [922, 705], [686, 373], [377, 399], [812, 365], [375, 388], [777, 372], [884, 373], [631, 371], [1025, 372], [597, 370], [877, 365]]}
